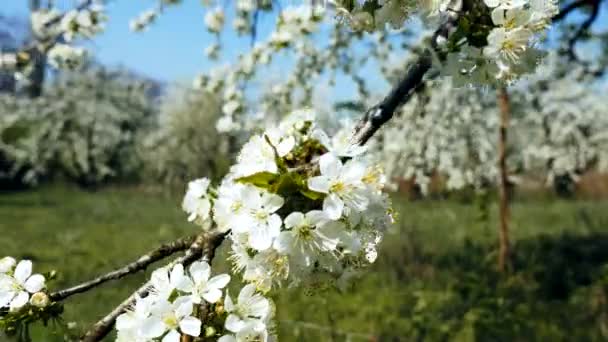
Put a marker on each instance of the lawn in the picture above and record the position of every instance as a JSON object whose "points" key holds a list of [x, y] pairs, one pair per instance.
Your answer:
{"points": [[434, 278]]}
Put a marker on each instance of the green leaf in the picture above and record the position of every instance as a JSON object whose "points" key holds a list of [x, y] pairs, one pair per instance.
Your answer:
{"points": [[261, 179], [313, 195]]}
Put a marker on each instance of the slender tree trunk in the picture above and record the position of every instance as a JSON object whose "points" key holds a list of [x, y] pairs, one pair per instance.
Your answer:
{"points": [[36, 78], [505, 111]]}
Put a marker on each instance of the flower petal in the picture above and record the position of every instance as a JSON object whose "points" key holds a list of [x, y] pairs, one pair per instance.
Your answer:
{"points": [[319, 184], [212, 295], [23, 271], [234, 323], [219, 281], [190, 326], [294, 219], [7, 264], [330, 165], [200, 271], [153, 327], [34, 283], [172, 336], [333, 206], [19, 301]]}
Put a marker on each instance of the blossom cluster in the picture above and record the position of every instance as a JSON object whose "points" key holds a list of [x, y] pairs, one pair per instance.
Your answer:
{"points": [[510, 46], [19, 287], [299, 206], [173, 305], [495, 41]]}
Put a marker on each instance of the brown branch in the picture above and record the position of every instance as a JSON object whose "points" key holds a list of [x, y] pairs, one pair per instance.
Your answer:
{"points": [[401, 93], [140, 264], [204, 245]]}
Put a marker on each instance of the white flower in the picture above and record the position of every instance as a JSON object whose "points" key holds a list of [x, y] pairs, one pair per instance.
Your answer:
{"points": [[232, 207], [506, 44], [251, 307], [308, 235], [196, 203], [342, 183], [252, 331], [201, 287], [64, 56], [165, 282], [214, 19], [15, 290], [264, 224], [506, 4], [340, 144], [7, 264], [129, 324], [256, 156], [172, 317]]}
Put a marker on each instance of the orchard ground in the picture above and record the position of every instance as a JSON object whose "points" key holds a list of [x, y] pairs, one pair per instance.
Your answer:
{"points": [[434, 279]]}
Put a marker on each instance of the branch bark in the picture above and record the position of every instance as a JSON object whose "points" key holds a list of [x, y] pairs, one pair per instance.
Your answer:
{"points": [[505, 111], [205, 245], [382, 112], [140, 264]]}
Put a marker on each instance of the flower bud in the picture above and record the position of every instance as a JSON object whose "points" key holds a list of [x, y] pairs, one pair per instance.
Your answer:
{"points": [[40, 300], [210, 331]]}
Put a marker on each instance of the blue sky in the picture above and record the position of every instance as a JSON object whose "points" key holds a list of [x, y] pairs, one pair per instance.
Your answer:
{"points": [[171, 49]]}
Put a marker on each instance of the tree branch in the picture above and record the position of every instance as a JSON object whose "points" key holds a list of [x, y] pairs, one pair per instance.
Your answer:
{"points": [[140, 264], [204, 245], [382, 112]]}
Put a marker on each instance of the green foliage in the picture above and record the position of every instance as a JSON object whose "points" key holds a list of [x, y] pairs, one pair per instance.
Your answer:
{"points": [[83, 128], [184, 143], [434, 279]]}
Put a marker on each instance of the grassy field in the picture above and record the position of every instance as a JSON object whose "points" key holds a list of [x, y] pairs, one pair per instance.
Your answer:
{"points": [[434, 278]]}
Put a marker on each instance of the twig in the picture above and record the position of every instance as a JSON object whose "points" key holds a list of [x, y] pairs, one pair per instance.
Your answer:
{"points": [[381, 113], [140, 264], [205, 245]]}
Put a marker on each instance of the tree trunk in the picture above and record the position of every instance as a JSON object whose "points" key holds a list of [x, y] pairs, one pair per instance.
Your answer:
{"points": [[35, 83], [504, 212]]}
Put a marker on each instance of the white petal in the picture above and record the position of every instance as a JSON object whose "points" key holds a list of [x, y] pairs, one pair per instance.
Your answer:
{"points": [[246, 293], [152, 327], [19, 301], [286, 146], [34, 283], [183, 306], [294, 219], [23, 271], [316, 217], [200, 271], [330, 165], [7, 264], [172, 336], [272, 202], [258, 307], [227, 338], [260, 238], [212, 295], [6, 297], [322, 137], [319, 184], [234, 323], [283, 243], [228, 304], [333, 206], [219, 281], [190, 326]]}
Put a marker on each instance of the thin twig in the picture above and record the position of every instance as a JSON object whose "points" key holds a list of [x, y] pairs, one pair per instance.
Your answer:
{"points": [[381, 113], [140, 264], [205, 245]]}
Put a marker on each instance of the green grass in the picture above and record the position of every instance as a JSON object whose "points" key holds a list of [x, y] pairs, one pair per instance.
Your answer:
{"points": [[423, 263]]}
